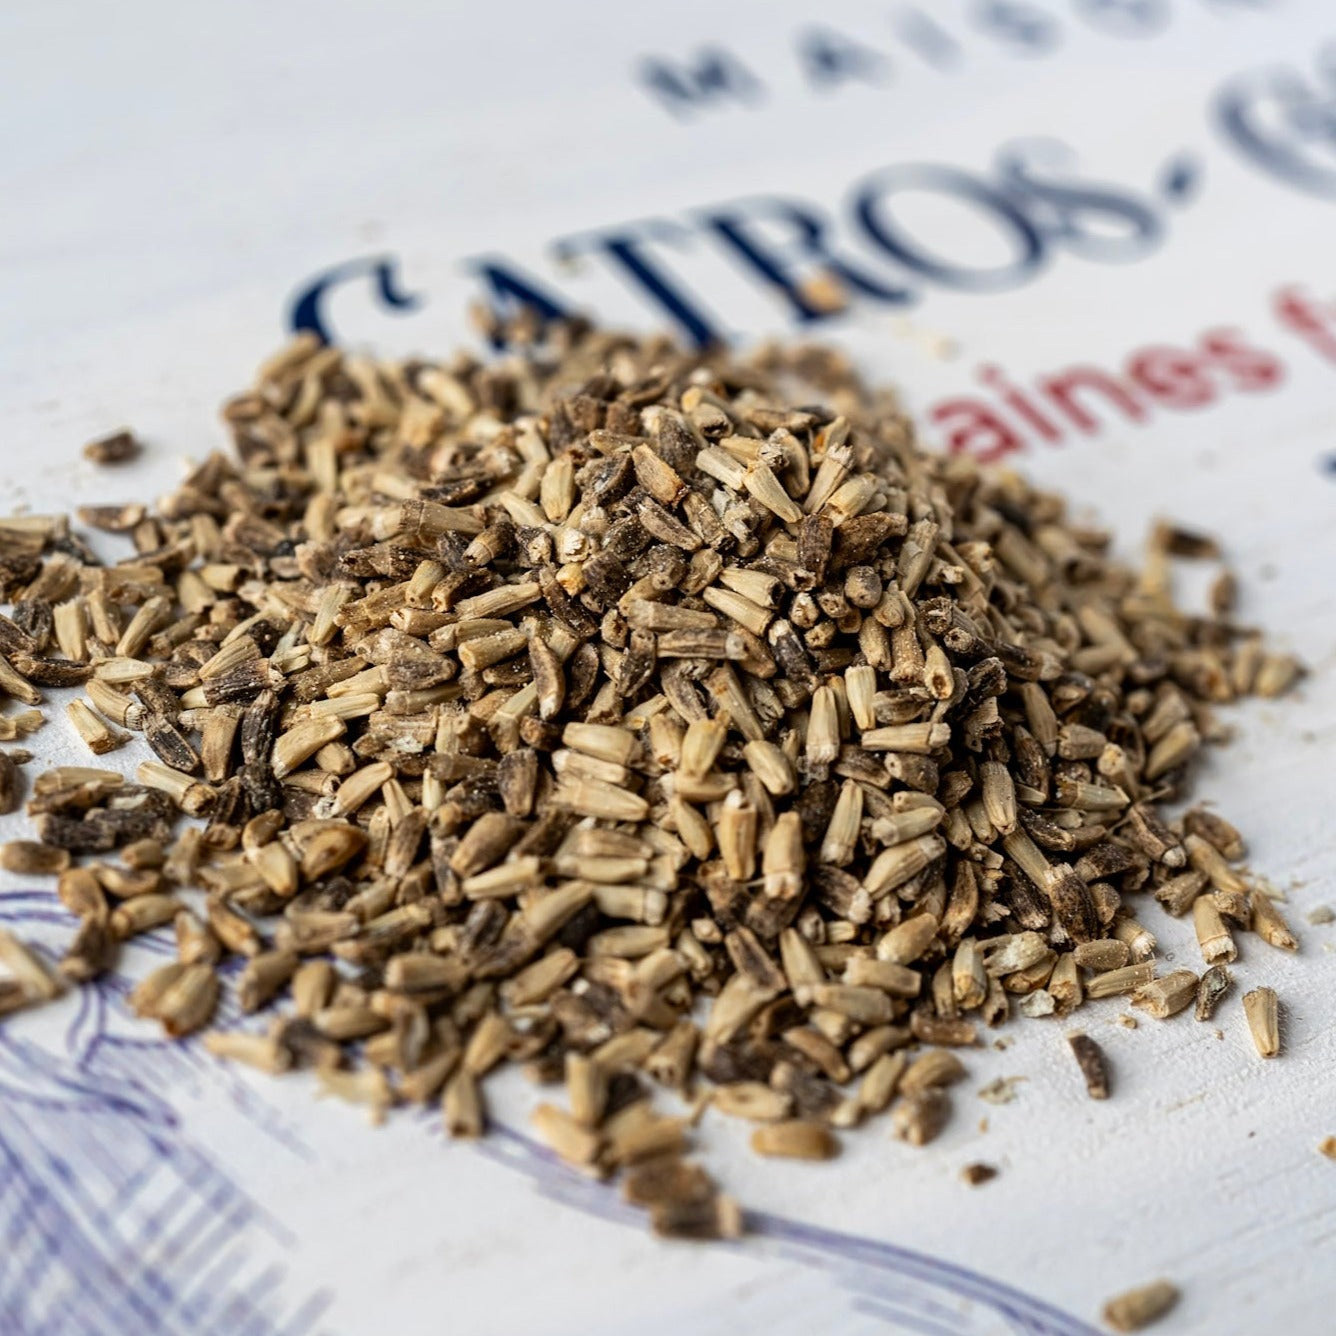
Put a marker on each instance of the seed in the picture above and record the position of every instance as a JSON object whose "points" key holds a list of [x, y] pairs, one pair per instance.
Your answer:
{"points": [[1140, 1307], [936, 1068], [1125, 980], [920, 1117], [264, 977], [30, 856], [1212, 986], [1263, 1013], [188, 1003], [906, 942], [11, 784], [1101, 955], [1093, 1064], [1269, 924], [752, 1100], [897, 980], [1212, 936], [35, 981], [796, 1140], [977, 1174], [119, 448], [717, 1218], [1167, 996]]}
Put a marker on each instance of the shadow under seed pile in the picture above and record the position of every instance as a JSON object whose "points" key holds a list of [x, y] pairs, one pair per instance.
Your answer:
{"points": [[603, 711]]}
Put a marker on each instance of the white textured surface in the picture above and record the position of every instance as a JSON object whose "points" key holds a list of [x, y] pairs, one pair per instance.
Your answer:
{"points": [[171, 177]]}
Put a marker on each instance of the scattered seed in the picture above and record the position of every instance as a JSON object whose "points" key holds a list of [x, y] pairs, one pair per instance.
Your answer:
{"points": [[977, 1174], [1263, 1013], [1140, 1307], [1093, 1064]]}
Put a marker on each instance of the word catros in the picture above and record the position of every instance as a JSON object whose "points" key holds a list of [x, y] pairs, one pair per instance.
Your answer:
{"points": [[1030, 207]]}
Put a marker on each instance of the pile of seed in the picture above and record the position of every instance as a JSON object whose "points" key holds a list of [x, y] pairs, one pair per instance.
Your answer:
{"points": [[645, 718]]}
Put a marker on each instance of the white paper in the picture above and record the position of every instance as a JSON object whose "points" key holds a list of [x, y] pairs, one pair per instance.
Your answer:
{"points": [[175, 179]]}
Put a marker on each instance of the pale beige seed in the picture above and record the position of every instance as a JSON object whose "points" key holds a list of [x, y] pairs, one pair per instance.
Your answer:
{"points": [[312, 987], [771, 766], [840, 841], [783, 858], [96, 733], [1124, 980], [1166, 996], [563, 1134], [1106, 953], [264, 977], [1262, 1010], [907, 941], [33, 858], [860, 686], [881, 1080], [999, 796], [969, 982], [897, 864], [262, 1052], [302, 742], [1064, 985], [859, 1003], [146, 996], [1269, 924], [701, 745], [735, 833], [368, 1087], [188, 1003], [1278, 672], [933, 1069], [195, 941], [142, 914], [1214, 939], [36, 982], [1180, 893], [1138, 1308], [1205, 857], [897, 980], [1139, 939], [752, 1100], [917, 739], [823, 728], [919, 1118], [795, 1140]]}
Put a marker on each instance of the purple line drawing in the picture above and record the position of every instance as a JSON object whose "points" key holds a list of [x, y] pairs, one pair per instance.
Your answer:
{"points": [[910, 1291], [112, 1220]]}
